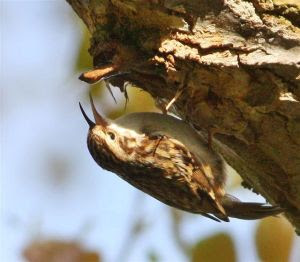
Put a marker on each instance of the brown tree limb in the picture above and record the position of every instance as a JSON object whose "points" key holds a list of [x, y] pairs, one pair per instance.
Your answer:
{"points": [[240, 62]]}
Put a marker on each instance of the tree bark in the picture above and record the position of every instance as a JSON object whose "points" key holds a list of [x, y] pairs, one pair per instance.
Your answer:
{"points": [[234, 66]]}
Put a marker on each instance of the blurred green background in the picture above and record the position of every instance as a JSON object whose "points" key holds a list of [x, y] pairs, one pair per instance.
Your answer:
{"points": [[56, 203]]}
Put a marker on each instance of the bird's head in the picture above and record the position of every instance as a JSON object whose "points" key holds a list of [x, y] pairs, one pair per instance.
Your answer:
{"points": [[108, 143]]}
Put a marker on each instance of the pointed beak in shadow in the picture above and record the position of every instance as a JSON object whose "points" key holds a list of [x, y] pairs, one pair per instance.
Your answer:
{"points": [[89, 121]]}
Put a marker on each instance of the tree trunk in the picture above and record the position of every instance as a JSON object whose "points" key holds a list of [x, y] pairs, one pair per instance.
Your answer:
{"points": [[234, 67]]}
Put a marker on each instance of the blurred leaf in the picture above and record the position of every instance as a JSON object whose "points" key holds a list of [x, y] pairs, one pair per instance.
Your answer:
{"points": [[137, 227], [153, 256], [89, 257], [176, 222], [274, 239], [84, 60], [219, 247], [139, 101], [58, 251], [96, 90], [58, 168]]}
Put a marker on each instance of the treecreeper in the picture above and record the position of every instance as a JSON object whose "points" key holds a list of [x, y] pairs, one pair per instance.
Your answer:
{"points": [[168, 159]]}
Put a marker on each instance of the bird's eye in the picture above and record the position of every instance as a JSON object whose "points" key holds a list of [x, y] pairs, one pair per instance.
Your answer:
{"points": [[112, 135]]}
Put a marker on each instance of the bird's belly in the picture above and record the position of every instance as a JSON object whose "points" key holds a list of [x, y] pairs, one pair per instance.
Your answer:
{"points": [[165, 189]]}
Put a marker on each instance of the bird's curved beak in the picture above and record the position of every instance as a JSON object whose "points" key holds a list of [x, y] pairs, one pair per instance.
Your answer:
{"points": [[98, 118], [89, 121]]}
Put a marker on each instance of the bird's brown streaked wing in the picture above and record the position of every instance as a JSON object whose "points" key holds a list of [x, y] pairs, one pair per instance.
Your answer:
{"points": [[205, 187]]}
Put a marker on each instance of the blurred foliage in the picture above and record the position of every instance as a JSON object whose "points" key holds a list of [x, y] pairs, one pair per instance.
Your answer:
{"points": [[58, 251], [274, 239], [139, 101], [98, 89], [58, 167], [219, 247], [177, 217], [84, 61], [137, 227], [153, 256]]}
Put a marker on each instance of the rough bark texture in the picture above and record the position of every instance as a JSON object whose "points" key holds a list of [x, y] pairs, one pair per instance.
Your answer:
{"points": [[236, 66]]}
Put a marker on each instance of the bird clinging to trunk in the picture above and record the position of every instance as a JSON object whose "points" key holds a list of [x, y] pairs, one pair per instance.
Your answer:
{"points": [[166, 158]]}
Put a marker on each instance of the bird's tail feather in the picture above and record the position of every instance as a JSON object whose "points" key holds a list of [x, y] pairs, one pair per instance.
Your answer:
{"points": [[248, 210]]}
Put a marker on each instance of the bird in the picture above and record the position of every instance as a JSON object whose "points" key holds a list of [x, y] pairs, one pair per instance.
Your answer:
{"points": [[166, 158]]}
